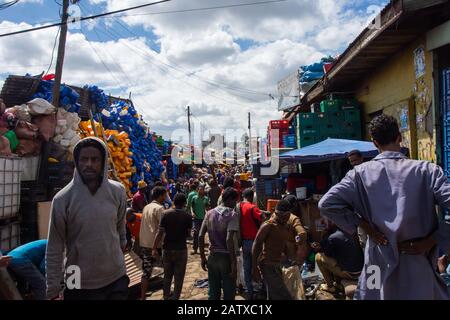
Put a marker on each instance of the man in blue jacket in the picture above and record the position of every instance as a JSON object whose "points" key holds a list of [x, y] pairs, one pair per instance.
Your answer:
{"points": [[28, 265]]}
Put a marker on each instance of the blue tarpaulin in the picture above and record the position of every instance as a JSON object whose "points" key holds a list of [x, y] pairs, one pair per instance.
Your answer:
{"points": [[330, 149]]}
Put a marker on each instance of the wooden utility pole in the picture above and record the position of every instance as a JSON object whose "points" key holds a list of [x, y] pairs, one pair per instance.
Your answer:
{"points": [[249, 139], [189, 130], [61, 52]]}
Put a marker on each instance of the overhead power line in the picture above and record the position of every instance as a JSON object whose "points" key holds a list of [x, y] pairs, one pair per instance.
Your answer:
{"points": [[8, 4], [190, 74], [84, 18], [201, 9], [53, 51], [106, 15]]}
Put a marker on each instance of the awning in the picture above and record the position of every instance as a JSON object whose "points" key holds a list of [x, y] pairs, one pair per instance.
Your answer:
{"points": [[330, 149]]}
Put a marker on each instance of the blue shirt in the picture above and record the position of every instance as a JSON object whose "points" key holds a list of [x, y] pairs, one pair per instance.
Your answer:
{"points": [[33, 252]]}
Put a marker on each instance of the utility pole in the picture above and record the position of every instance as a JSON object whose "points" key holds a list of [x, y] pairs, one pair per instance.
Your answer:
{"points": [[249, 138], [61, 52], [189, 129]]}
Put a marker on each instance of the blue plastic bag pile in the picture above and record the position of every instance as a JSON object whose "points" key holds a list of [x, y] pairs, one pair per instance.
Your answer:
{"points": [[313, 71]]}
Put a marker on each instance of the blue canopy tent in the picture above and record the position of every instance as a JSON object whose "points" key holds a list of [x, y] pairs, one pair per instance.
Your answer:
{"points": [[330, 149]]}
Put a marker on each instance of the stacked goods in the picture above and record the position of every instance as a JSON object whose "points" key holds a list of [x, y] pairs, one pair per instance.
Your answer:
{"points": [[98, 98], [310, 74], [67, 120], [66, 129], [146, 156], [283, 130], [68, 97], [27, 126], [10, 178], [119, 149], [341, 119]]}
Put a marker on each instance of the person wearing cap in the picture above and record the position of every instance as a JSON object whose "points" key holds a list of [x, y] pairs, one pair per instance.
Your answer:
{"points": [[355, 158], [140, 198], [269, 245]]}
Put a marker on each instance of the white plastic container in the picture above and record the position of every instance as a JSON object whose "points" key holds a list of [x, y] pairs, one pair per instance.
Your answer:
{"points": [[30, 168], [10, 178], [9, 236], [301, 193]]}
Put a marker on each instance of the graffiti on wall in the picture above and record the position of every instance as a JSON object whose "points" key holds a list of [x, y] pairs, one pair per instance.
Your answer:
{"points": [[400, 112], [424, 119]]}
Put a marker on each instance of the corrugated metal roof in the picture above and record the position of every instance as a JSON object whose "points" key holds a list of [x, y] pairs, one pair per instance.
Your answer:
{"points": [[402, 21]]}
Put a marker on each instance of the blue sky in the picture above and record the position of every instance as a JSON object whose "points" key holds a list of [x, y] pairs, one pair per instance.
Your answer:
{"points": [[237, 55]]}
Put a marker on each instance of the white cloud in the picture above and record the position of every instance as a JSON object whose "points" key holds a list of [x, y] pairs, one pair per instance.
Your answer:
{"points": [[200, 58]]}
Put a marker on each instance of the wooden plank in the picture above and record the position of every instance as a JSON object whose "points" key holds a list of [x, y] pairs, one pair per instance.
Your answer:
{"points": [[134, 271]]}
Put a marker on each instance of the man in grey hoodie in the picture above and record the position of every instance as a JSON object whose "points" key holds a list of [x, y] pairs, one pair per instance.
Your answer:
{"points": [[87, 227]]}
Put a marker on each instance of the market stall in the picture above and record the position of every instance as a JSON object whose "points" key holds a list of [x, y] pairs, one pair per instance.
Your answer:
{"points": [[39, 138], [321, 165]]}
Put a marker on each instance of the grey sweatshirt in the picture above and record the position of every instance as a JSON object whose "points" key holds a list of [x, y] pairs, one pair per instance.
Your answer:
{"points": [[90, 229]]}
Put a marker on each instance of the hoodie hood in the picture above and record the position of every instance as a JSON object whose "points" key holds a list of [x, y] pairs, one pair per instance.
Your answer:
{"points": [[77, 177], [222, 210]]}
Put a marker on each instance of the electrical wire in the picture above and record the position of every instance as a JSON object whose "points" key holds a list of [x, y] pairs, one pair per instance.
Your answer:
{"points": [[103, 15], [210, 82], [147, 56], [8, 4], [201, 9], [53, 51], [84, 18], [113, 76]]}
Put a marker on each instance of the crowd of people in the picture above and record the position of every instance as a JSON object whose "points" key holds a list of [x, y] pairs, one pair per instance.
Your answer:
{"points": [[381, 222]]}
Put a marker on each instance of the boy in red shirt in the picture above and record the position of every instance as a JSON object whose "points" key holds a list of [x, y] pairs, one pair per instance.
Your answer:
{"points": [[250, 220]]}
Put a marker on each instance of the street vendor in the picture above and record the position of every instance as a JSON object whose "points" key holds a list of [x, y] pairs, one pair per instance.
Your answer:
{"points": [[140, 198]]}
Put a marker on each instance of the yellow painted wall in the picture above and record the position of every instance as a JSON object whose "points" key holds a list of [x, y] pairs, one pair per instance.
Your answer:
{"points": [[392, 87]]}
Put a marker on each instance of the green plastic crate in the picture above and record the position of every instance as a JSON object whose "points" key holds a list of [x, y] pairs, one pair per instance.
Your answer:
{"points": [[329, 129], [350, 104], [351, 127], [309, 132], [307, 120], [306, 140], [331, 105], [335, 117], [352, 115]]}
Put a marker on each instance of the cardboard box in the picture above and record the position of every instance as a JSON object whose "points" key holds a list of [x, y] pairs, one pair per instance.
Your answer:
{"points": [[43, 219]]}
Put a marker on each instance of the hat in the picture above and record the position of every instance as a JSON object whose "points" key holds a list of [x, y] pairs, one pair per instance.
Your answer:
{"points": [[291, 199], [142, 184], [283, 206]]}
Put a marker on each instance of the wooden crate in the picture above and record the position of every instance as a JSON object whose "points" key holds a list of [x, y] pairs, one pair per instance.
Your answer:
{"points": [[18, 90]]}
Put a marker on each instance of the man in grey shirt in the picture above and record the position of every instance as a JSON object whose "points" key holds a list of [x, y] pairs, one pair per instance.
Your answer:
{"points": [[395, 199], [87, 227]]}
